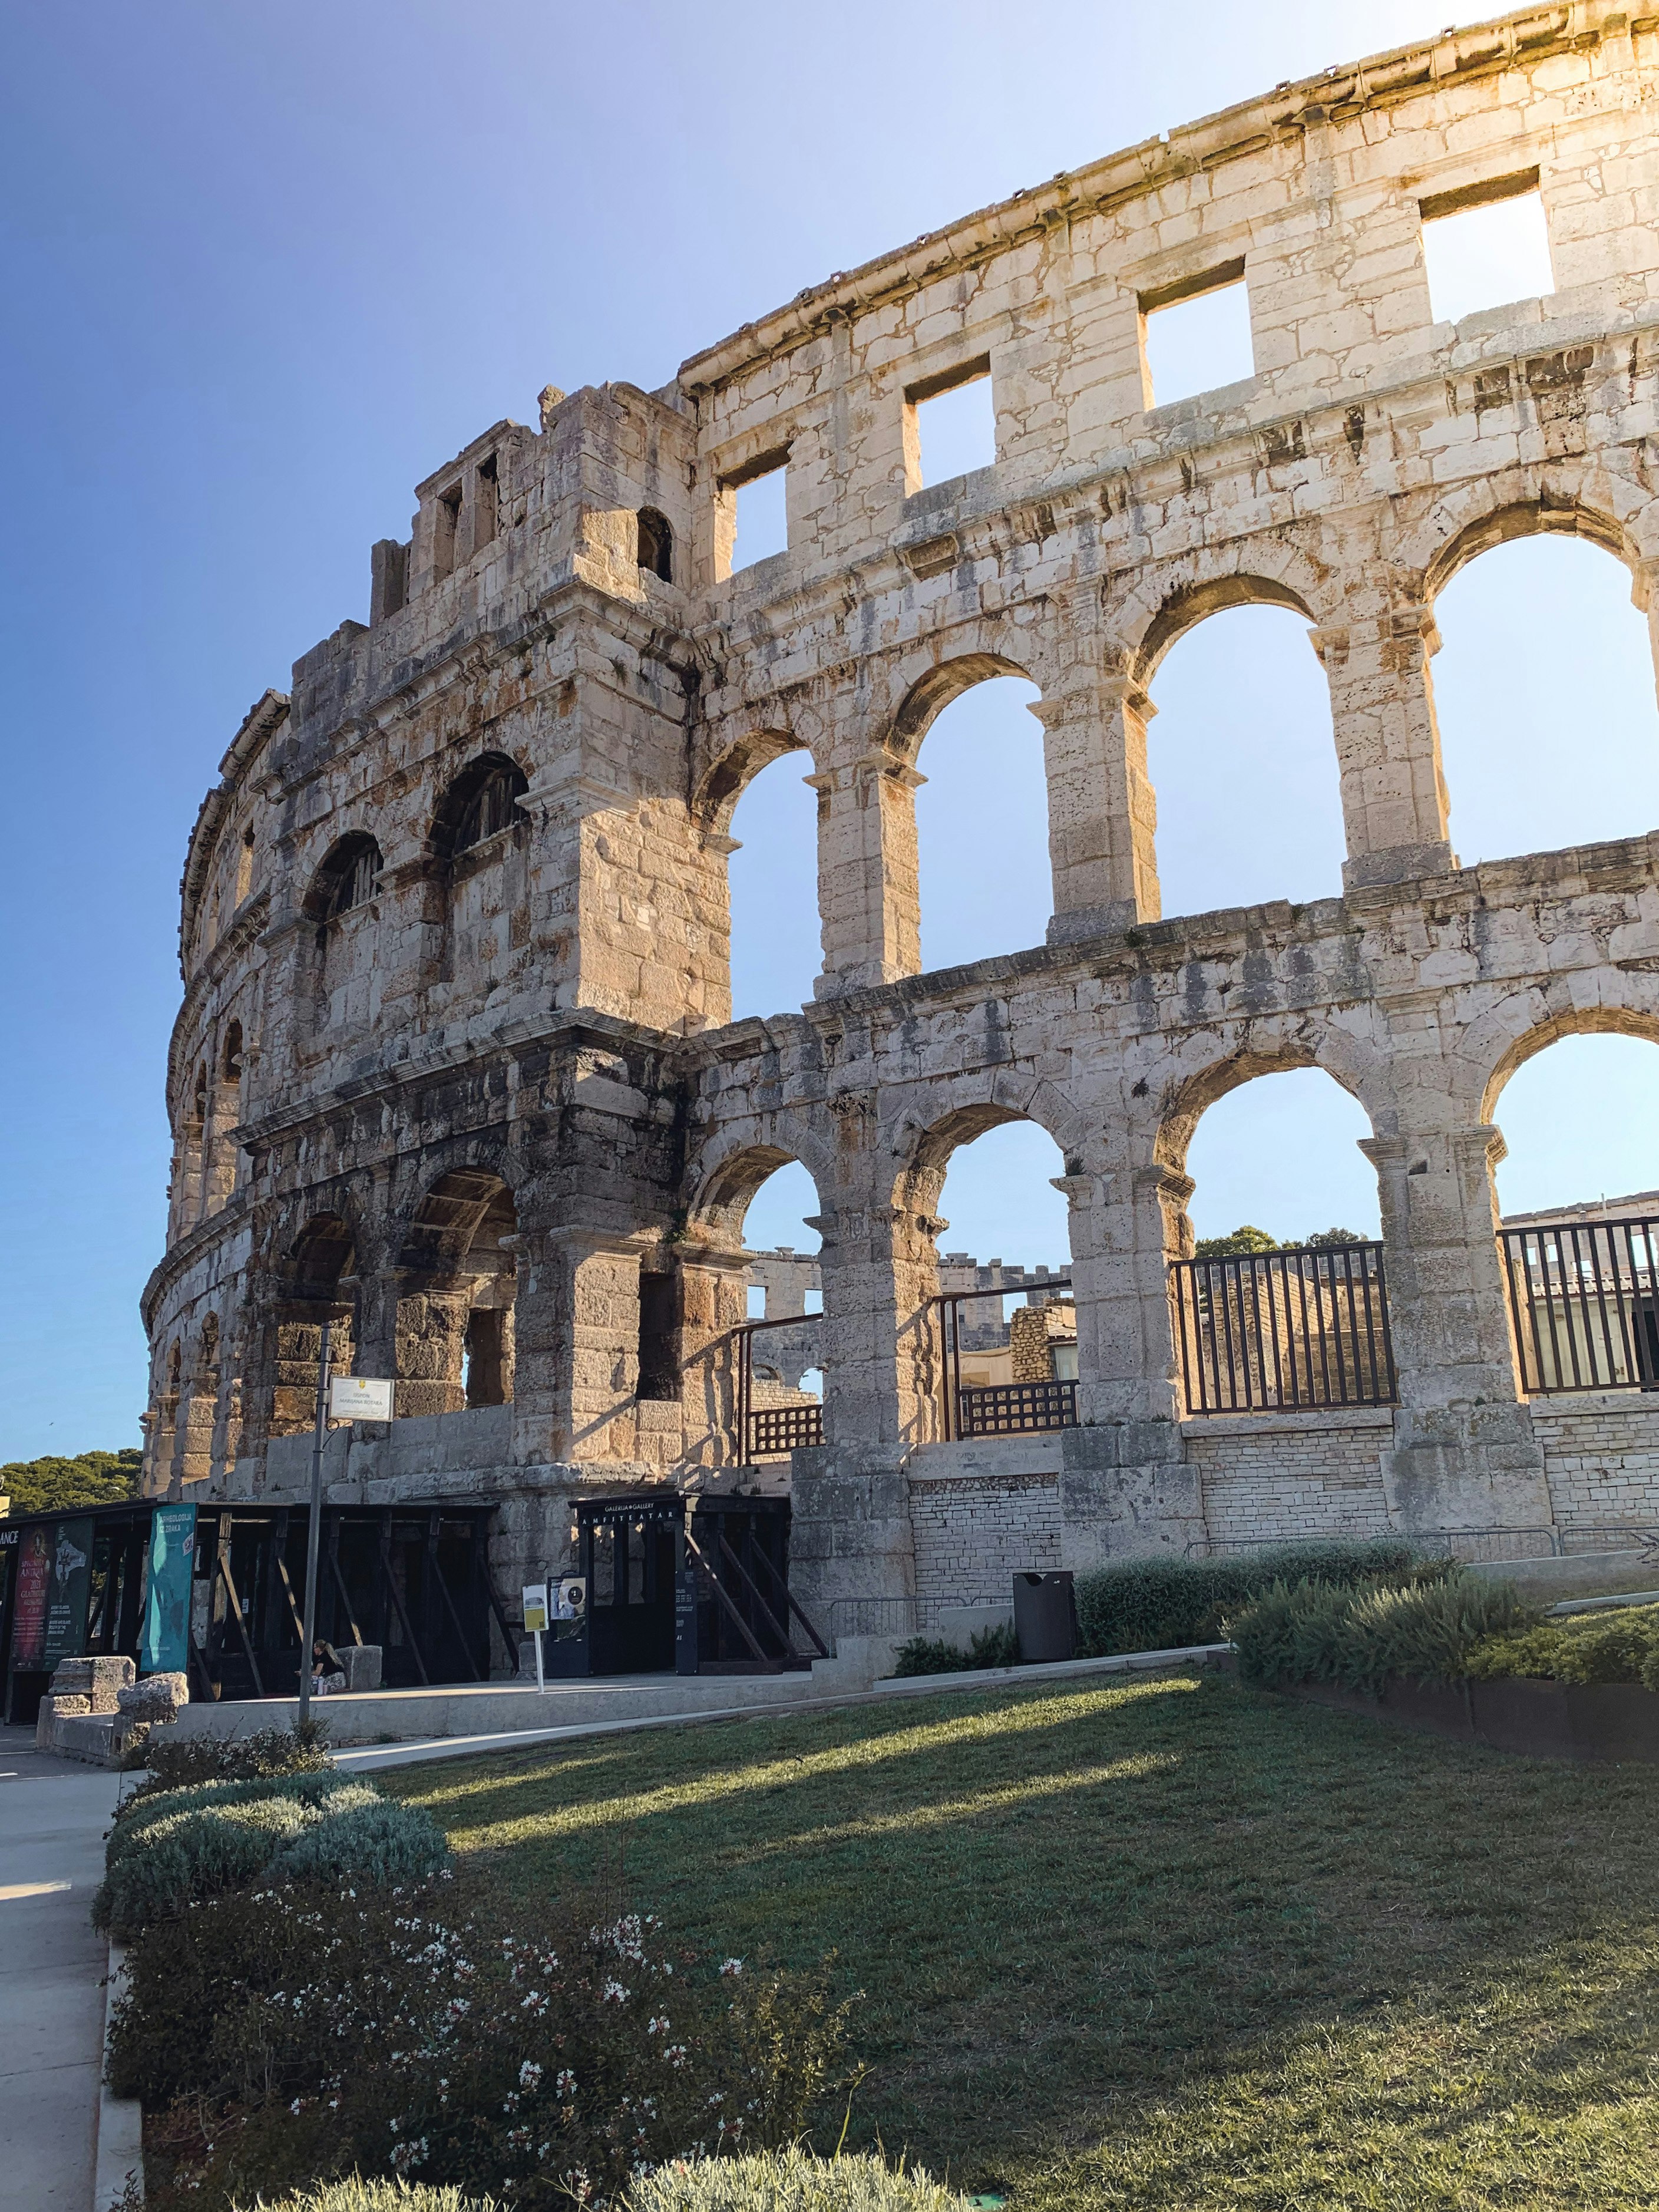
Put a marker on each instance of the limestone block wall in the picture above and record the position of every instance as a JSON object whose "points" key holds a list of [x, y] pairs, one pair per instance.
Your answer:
{"points": [[974, 1532]]}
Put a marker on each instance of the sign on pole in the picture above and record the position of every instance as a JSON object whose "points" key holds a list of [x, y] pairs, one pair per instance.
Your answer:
{"points": [[164, 1647], [535, 1619], [359, 1398]]}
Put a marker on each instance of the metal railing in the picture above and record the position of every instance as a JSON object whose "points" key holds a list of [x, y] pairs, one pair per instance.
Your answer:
{"points": [[1270, 1331], [1585, 1299], [998, 1409], [771, 1432]]}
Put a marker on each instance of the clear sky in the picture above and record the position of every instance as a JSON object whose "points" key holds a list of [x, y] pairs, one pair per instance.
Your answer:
{"points": [[264, 268]]}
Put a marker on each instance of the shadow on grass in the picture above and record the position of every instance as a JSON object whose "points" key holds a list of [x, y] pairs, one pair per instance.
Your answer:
{"points": [[1141, 1912]]}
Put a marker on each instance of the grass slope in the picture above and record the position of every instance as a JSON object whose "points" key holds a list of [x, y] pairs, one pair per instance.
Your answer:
{"points": [[1171, 1943]]}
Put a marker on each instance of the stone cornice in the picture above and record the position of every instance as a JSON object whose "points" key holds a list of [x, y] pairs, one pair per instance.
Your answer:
{"points": [[1457, 57]]}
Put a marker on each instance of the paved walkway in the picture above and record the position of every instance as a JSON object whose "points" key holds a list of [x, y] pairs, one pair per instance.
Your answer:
{"points": [[53, 1815]]}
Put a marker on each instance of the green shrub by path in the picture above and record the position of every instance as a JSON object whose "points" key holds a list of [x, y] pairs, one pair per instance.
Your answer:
{"points": [[1357, 1638], [1161, 1605], [187, 1857], [998, 1646], [356, 2194], [791, 2180], [1620, 1644], [140, 1813], [175, 1763], [376, 1842]]}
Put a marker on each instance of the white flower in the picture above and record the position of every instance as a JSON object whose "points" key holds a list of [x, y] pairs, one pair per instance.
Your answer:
{"points": [[734, 1967]]}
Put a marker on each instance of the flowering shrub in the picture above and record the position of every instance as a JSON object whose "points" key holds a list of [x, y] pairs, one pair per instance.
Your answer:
{"points": [[357, 2194], [173, 1765], [289, 2036]]}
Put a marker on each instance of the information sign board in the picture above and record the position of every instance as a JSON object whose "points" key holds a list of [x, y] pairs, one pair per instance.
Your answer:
{"points": [[34, 1578], [572, 1599], [68, 1592], [359, 1398], [165, 1646], [535, 1607]]}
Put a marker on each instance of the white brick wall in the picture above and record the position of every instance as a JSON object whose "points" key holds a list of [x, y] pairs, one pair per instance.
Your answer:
{"points": [[1273, 1476], [974, 1533], [1601, 1457]]}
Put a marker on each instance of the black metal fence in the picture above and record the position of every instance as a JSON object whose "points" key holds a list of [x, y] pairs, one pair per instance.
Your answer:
{"points": [[772, 1430], [1262, 1332], [997, 1409], [1585, 1299]]}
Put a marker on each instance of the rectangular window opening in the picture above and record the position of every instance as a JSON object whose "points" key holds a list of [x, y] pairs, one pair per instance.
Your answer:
{"points": [[953, 422], [758, 1302], [447, 522], [1196, 335], [811, 1301], [1486, 247], [659, 1323], [486, 503], [762, 513]]}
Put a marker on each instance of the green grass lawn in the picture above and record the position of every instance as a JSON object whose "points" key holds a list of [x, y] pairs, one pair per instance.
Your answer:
{"points": [[1172, 1944]]}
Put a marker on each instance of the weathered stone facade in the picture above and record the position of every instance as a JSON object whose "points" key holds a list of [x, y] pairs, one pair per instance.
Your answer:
{"points": [[455, 1064]]}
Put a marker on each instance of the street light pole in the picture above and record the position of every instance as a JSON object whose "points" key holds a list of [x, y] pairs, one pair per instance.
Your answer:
{"points": [[313, 1527]]}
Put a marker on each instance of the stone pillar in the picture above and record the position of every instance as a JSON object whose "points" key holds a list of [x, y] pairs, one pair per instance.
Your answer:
{"points": [[1464, 1454], [1125, 1488], [868, 899], [576, 1319], [851, 1536], [714, 1303], [1388, 743], [1103, 810], [431, 1342]]}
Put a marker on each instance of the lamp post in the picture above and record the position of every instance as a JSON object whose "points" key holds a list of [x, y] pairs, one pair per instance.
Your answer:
{"points": [[314, 1526]]}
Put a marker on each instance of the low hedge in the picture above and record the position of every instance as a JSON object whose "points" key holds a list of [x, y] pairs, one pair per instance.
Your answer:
{"points": [[988, 1647], [1358, 1638], [344, 1830], [1158, 1605], [136, 1815], [1618, 1645], [791, 2180], [176, 1763]]}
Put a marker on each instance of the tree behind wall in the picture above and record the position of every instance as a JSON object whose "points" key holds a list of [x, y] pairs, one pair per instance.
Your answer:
{"points": [[61, 1485]]}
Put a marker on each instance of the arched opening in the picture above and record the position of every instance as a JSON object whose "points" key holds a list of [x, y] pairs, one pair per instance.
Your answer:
{"points": [[455, 1345], [232, 1053], [1579, 1192], [320, 1287], [984, 881], [1279, 1289], [245, 865], [1243, 760], [481, 803], [991, 1334], [480, 845], [773, 874], [1544, 693], [345, 880], [655, 547], [765, 1205]]}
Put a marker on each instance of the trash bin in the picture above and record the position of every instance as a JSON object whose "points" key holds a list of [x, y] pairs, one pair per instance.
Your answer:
{"points": [[1045, 1616]]}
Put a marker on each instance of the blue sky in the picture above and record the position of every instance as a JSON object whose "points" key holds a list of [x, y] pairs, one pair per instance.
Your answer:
{"points": [[264, 268]]}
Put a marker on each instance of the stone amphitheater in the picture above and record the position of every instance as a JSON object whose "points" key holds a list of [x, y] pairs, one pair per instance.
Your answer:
{"points": [[455, 1068]]}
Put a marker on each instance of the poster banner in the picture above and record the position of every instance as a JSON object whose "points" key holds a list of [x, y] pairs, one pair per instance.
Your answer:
{"points": [[28, 1634], [68, 1592], [166, 1644], [7, 1566]]}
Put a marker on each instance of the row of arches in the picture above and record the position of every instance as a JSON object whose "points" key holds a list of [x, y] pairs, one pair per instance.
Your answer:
{"points": [[1544, 689], [481, 803]]}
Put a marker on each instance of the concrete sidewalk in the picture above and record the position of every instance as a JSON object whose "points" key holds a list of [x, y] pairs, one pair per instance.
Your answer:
{"points": [[53, 1817]]}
